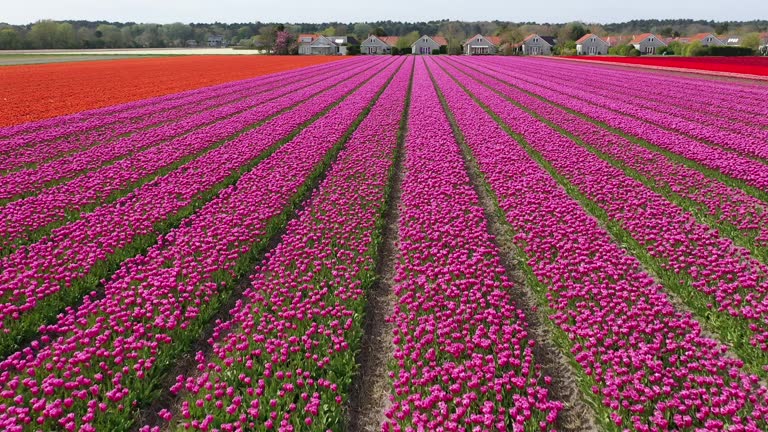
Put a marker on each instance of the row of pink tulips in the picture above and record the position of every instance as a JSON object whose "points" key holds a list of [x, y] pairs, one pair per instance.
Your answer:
{"points": [[30, 181], [290, 347], [651, 367], [752, 172], [712, 94], [20, 220], [729, 206], [748, 142], [463, 359], [60, 127], [68, 258], [98, 362], [693, 103], [138, 126], [694, 254]]}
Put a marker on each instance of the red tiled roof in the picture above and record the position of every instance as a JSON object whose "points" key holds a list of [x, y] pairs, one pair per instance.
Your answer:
{"points": [[529, 37], [492, 39], [700, 36], [584, 38], [308, 35], [440, 40], [389, 40], [641, 37]]}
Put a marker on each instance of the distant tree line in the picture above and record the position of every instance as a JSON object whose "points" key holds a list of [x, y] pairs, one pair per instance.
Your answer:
{"points": [[281, 37]]}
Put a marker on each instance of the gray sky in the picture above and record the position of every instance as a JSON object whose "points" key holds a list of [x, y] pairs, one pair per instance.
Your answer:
{"points": [[166, 11]]}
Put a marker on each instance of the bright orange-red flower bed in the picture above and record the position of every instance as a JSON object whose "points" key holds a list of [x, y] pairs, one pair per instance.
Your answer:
{"points": [[740, 65], [35, 92]]}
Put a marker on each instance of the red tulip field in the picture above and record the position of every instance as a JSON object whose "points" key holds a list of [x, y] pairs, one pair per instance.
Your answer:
{"points": [[757, 66], [389, 243]]}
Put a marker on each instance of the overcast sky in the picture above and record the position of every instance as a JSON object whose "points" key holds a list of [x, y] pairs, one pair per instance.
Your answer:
{"points": [[553, 11]]}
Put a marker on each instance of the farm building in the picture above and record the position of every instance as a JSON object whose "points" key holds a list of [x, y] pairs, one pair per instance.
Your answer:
{"points": [[315, 44], [374, 45], [428, 44], [763, 48], [482, 45], [647, 43], [591, 44], [733, 40], [706, 39], [216, 41], [537, 45]]}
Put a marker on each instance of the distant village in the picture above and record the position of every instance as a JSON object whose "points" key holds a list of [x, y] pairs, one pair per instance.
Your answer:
{"points": [[534, 44]]}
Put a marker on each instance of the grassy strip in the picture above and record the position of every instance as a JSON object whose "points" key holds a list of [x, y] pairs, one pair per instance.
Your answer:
{"points": [[732, 331], [558, 336], [25, 329], [371, 277], [145, 391], [73, 215], [674, 157]]}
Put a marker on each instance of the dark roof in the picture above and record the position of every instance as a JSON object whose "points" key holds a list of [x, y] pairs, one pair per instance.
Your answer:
{"points": [[549, 39]]}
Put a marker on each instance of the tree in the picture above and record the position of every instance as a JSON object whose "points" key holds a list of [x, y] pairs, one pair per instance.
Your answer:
{"points": [[329, 31], [408, 40], [177, 33], [244, 32], [9, 39], [378, 32], [361, 30], [572, 32], [751, 40], [283, 41], [43, 34], [66, 36], [267, 36], [722, 28], [111, 35]]}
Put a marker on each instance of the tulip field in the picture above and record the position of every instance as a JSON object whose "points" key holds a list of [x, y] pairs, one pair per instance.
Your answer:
{"points": [[404, 243]]}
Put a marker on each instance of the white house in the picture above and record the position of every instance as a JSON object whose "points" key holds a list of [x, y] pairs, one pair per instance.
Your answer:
{"points": [[481, 45], [707, 39], [538, 45], [647, 43], [591, 44]]}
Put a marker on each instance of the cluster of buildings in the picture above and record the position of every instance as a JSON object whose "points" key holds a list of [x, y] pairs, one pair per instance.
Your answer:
{"points": [[534, 44]]}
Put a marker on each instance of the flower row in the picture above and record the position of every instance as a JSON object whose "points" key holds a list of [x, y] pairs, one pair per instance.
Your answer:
{"points": [[19, 220], [67, 258], [94, 367], [116, 117], [290, 346], [650, 366], [462, 355]]}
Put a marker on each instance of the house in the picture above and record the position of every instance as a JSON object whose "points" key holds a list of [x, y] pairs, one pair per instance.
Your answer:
{"points": [[305, 41], [482, 45], [215, 41], [647, 43], [428, 44], [537, 45], [591, 44], [374, 45], [763, 47], [343, 43], [315, 44], [706, 39], [733, 40], [191, 43]]}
